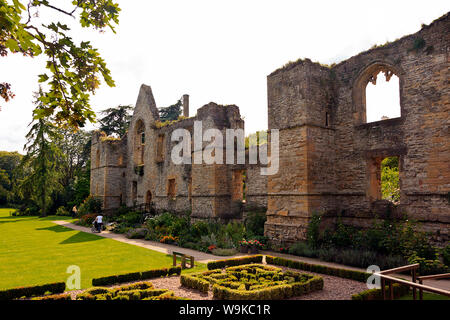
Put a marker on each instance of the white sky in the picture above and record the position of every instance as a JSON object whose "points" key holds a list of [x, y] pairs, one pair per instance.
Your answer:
{"points": [[216, 51]]}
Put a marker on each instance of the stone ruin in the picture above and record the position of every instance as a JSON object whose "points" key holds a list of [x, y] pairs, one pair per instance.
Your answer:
{"points": [[329, 154]]}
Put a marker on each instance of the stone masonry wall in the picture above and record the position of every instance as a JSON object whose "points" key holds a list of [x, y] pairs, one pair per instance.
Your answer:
{"points": [[327, 150]]}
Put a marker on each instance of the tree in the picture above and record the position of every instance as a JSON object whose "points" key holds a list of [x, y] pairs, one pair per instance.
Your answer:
{"points": [[390, 186], [9, 161], [73, 70], [116, 120], [170, 113], [41, 162], [5, 187]]}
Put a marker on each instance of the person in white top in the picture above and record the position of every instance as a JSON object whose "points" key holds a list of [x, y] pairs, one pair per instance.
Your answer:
{"points": [[98, 222]]}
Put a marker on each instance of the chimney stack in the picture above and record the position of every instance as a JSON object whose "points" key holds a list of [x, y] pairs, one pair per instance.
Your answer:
{"points": [[186, 105]]}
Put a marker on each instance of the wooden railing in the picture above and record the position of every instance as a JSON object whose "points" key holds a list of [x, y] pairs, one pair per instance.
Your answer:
{"points": [[431, 277], [384, 276]]}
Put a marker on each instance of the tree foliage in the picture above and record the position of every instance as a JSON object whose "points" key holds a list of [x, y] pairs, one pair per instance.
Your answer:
{"points": [[390, 187], [74, 71], [171, 112], [41, 164], [116, 120]]}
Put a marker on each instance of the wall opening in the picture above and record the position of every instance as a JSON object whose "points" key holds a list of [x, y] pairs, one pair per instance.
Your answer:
{"points": [[97, 158], [383, 96], [139, 143], [160, 148], [171, 189], [384, 179], [237, 191], [134, 192], [148, 197], [377, 93]]}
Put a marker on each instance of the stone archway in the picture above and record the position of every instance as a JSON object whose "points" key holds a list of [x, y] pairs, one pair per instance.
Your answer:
{"points": [[369, 75]]}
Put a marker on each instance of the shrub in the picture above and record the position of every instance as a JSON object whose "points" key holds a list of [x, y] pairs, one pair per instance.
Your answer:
{"points": [[138, 233], [254, 224], [137, 286], [136, 291], [428, 266], [219, 264], [87, 219], [223, 252], [40, 290], [136, 276], [312, 231], [343, 273], [194, 283], [90, 205], [446, 255], [376, 294], [64, 296], [62, 211], [301, 249]]}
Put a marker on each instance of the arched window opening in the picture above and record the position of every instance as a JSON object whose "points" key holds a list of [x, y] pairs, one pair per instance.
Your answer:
{"points": [[382, 95], [139, 143]]}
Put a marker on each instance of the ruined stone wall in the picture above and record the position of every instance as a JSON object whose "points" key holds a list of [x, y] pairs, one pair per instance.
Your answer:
{"points": [[328, 152], [108, 167], [148, 174]]}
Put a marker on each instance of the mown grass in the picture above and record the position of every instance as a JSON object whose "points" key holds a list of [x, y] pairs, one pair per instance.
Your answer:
{"points": [[36, 251], [426, 296]]}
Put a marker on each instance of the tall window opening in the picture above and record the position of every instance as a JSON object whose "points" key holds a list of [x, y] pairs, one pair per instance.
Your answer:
{"points": [[160, 148], [384, 179], [171, 189], [139, 143], [382, 96]]}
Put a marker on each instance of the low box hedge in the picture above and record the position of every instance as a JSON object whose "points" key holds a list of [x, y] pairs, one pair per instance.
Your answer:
{"points": [[63, 296], [253, 282], [279, 292], [332, 271], [136, 276], [376, 294], [194, 283], [15, 293], [220, 264], [135, 291]]}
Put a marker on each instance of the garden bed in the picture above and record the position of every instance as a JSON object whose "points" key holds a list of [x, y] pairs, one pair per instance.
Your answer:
{"points": [[253, 282]]}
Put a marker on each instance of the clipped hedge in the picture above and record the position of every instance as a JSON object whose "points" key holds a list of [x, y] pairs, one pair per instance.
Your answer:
{"points": [[376, 294], [136, 276], [64, 296], [15, 293], [332, 271], [220, 264], [253, 282], [194, 283], [135, 291], [279, 292]]}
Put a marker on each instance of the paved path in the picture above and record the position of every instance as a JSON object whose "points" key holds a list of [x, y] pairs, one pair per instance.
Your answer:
{"points": [[152, 245], [206, 257]]}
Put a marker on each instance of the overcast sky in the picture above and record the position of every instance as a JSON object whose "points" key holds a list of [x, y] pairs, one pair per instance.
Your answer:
{"points": [[217, 51]]}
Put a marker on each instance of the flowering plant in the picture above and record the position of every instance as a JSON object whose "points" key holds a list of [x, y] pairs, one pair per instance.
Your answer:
{"points": [[243, 243], [211, 248], [255, 243], [284, 250], [168, 239]]}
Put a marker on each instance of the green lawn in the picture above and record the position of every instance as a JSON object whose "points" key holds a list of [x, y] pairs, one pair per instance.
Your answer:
{"points": [[426, 296], [35, 251]]}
